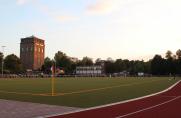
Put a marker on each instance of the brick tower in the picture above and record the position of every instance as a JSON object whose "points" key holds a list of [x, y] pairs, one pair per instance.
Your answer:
{"points": [[32, 52]]}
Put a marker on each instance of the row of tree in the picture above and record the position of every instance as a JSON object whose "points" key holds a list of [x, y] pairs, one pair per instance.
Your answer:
{"points": [[12, 64], [62, 61], [171, 64]]}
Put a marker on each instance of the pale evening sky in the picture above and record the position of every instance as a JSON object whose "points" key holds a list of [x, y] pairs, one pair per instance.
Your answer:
{"points": [[133, 29]]}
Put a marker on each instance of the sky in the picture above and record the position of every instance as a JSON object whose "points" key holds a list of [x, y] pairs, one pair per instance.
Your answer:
{"points": [[127, 29]]}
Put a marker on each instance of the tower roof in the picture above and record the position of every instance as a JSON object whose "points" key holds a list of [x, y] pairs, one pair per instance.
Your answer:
{"points": [[31, 38]]}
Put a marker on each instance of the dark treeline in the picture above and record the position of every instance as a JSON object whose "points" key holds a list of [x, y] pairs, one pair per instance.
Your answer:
{"points": [[62, 61], [171, 64], [168, 65], [133, 67], [12, 64]]}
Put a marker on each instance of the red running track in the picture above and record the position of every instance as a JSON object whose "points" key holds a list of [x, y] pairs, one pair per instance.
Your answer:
{"points": [[163, 105]]}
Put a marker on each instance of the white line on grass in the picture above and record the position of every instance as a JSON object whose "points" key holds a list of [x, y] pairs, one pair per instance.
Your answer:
{"points": [[103, 88], [74, 92]]}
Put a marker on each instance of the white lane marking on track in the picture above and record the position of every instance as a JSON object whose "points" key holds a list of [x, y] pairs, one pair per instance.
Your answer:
{"points": [[148, 108], [167, 96], [112, 104]]}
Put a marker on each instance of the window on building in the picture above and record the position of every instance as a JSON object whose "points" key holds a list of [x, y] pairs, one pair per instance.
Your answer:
{"points": [[39, 61], [31, 48], [22, 49]]}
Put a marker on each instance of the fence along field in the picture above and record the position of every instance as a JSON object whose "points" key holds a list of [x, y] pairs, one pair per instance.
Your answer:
{"points": [[81, 92]]}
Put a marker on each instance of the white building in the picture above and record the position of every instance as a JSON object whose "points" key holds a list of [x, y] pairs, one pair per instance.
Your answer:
{"points": [[141, 74], [89, 70]]}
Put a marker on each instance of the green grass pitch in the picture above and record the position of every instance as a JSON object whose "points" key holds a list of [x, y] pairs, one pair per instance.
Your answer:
{"points": [[81, 92]]}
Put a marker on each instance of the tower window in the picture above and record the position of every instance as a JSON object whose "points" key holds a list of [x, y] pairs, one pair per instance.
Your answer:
{"points": [[31, 48], [38, 61]]}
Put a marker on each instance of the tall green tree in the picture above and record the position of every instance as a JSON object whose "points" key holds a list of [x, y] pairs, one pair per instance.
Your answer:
{"points": [[13, 64], [178, 54], [62, 61], [169, 63], [147, 67], [138, 66], [168, 54], [110, 67], [1, 58], [178, 62], [119, 65], [98, 60], [157, 65], [47, 65], [86, 61]]}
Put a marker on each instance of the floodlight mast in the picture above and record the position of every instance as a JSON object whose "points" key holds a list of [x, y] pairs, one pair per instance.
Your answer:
{"points": [[2, 69]]}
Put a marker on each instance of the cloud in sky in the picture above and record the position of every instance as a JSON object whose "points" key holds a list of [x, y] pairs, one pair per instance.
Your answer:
{"points": [[21, 2], [102, 7], [47, 11], [56, 15], [66, 18], [149, 26]]}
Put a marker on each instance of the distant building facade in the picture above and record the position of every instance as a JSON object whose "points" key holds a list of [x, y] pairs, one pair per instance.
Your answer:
{"points": [[89, 70], [32, 52]]}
